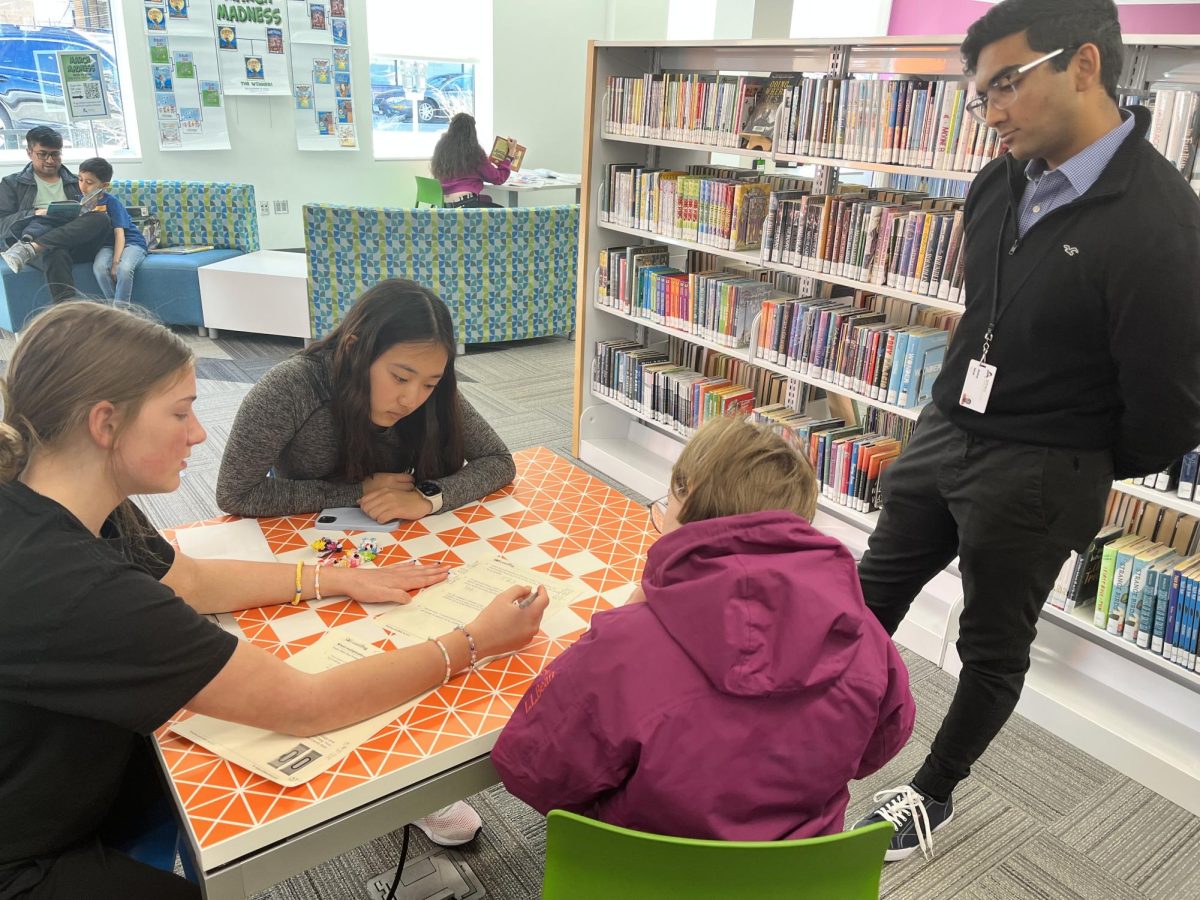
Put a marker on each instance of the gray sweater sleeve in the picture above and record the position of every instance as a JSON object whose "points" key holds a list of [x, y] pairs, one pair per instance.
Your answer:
{"points": [[283, 412], [489, 464]]}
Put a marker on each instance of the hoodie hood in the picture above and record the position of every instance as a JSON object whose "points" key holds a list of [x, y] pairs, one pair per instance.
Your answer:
{"points": [[762, 603]]}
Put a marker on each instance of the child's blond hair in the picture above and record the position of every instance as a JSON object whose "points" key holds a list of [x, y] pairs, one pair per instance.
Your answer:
{"points": [[732, 467]]}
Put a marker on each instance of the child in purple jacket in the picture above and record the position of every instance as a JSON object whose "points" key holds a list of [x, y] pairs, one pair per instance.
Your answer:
{"points": [[751, 685]]}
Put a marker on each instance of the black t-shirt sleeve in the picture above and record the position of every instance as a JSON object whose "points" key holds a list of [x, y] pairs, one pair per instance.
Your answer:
{"points": [[129, 652]]}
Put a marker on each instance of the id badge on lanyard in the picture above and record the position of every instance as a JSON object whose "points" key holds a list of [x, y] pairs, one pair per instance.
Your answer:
{"points": [[977, 386]]}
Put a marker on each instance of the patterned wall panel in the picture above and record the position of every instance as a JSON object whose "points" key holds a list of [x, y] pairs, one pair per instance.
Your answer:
{"points": [[198, 212], [506, 274]]}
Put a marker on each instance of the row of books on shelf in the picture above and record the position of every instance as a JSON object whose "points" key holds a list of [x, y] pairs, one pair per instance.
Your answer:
{"points": [[699, 107], [720, 206], [896, 120], [913, 245], [1179, 479], [900, 121], [848, 459], [1139, 580], [1176, 116], [681, 385], [718, 304], [862, 343]]}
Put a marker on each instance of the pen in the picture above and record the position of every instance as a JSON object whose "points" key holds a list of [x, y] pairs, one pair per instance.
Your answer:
{"points": [[529, 598]]}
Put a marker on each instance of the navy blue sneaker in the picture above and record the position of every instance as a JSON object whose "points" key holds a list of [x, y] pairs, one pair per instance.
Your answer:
{"points": [[915, 816]]}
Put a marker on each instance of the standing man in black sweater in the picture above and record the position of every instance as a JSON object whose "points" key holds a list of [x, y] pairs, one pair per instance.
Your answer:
{"points": [[1077, 361]]}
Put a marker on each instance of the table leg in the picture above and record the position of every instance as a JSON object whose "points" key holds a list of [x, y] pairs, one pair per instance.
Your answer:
{"points": [[578, 194], [514, 198]]}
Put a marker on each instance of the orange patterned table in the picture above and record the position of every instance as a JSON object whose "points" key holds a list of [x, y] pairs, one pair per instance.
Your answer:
{"points": [[247, 833]]}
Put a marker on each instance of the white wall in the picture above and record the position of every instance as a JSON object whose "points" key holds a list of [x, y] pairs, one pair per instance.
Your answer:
{"points": [[539, 60]]}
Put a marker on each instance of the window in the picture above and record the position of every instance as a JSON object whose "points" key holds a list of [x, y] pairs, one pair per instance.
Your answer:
{"points": [[31, 35], [428, 63]]}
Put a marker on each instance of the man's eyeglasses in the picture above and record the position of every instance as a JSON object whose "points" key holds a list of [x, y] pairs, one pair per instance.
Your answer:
{"points": [[1002, 92], [48, 154], [658, 513]]}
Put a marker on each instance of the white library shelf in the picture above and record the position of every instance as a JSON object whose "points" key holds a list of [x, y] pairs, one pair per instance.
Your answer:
{"points": [[745, 354], [1163, 498], [857, 165], [1131, 709], [754, 258]]}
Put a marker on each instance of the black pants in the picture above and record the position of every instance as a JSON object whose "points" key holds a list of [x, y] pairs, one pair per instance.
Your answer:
{"points": [[473, 201], [94, 868], [97, 872], [62, 247], [1012, 513]]}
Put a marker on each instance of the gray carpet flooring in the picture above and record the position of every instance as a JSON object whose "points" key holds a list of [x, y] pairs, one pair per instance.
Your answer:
{"points": [[1037, 819]]}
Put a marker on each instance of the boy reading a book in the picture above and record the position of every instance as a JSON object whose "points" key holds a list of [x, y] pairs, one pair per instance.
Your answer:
{"points": [[114, 264], [33, 238], [737, 697]]}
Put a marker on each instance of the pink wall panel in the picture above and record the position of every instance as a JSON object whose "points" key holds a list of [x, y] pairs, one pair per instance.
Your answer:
{"points": [[954, 16]]}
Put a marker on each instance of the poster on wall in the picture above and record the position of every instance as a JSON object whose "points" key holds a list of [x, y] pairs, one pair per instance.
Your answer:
{"points": [[251, 47], [83, 84], [322, 87], [185, 75]]}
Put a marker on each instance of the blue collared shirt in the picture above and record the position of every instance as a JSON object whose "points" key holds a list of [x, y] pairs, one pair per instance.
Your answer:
{"points": [[1047, 191]]}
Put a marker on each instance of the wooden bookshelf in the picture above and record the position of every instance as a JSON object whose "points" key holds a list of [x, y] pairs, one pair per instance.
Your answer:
{"points": [[1131, 709]]}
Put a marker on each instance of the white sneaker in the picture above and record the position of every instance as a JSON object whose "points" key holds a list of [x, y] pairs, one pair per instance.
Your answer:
{"points": [[18, 255], [451, 826]]}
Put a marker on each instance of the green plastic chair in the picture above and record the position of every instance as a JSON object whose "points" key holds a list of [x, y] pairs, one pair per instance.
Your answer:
{"points": [[429, 190], [590, 860]]}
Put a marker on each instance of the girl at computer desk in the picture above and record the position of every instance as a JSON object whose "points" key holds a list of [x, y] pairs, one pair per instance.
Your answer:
{"points": [[745, 685], [105, 636]]}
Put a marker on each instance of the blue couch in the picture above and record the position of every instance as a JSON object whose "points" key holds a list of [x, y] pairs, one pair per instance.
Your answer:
{"points": [[192, 212]]}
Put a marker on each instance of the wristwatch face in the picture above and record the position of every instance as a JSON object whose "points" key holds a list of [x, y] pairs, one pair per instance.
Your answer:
{"points": [[429, 488]]}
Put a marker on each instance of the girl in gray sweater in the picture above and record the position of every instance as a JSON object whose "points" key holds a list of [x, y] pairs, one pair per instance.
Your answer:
{"points": [[370, 416]]}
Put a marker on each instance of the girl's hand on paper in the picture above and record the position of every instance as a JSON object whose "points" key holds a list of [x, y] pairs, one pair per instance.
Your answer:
{"points": [[388, 584], [390, 503], [503, 627]]}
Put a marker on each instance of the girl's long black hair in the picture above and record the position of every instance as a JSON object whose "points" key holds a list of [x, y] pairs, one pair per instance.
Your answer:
{"points": [[396, 311]]}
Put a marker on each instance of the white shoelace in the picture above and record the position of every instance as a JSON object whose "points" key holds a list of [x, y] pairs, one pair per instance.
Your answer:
{"points": [[908, 803]]}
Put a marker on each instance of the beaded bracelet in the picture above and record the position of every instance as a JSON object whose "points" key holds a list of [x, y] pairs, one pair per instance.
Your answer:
{"points": [[299, 588], [445, 656], [317, 582], [470, 645]]}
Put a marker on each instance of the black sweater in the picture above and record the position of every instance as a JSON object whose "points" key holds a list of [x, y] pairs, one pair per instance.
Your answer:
{"points": [[1098, 340]]}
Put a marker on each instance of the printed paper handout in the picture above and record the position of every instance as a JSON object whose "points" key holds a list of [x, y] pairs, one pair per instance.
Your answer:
{"points": [[286, 759], [458, 600]]}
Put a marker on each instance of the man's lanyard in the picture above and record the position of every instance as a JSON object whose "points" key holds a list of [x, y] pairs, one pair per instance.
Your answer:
{"points": [[980, 377], [997, 310]]}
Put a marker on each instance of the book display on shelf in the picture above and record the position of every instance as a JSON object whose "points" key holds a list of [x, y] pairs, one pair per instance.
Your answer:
{"points": [[1138, 580], [855, 268]]}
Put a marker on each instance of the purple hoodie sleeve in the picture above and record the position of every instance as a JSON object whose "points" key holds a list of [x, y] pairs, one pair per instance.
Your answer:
{"points": [[556, 751], [897, 712], [495, 173]]}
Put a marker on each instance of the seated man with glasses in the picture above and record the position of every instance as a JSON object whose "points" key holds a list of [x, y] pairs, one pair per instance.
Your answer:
{"points": [[32, 237], [738, 692]]}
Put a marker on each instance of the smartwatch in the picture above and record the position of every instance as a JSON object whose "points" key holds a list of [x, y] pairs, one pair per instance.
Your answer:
{"points": [[432, 492]]}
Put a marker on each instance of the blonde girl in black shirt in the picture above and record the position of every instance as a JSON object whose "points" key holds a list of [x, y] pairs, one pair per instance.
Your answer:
{"points": [[103, 637]]}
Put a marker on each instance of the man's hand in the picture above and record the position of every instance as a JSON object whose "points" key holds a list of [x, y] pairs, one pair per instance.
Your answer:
{"points": [[40, 212]]}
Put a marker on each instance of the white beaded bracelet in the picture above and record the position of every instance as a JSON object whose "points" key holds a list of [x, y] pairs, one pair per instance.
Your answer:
{"points": [[445, 656], [470, 645], [317, 582]]}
